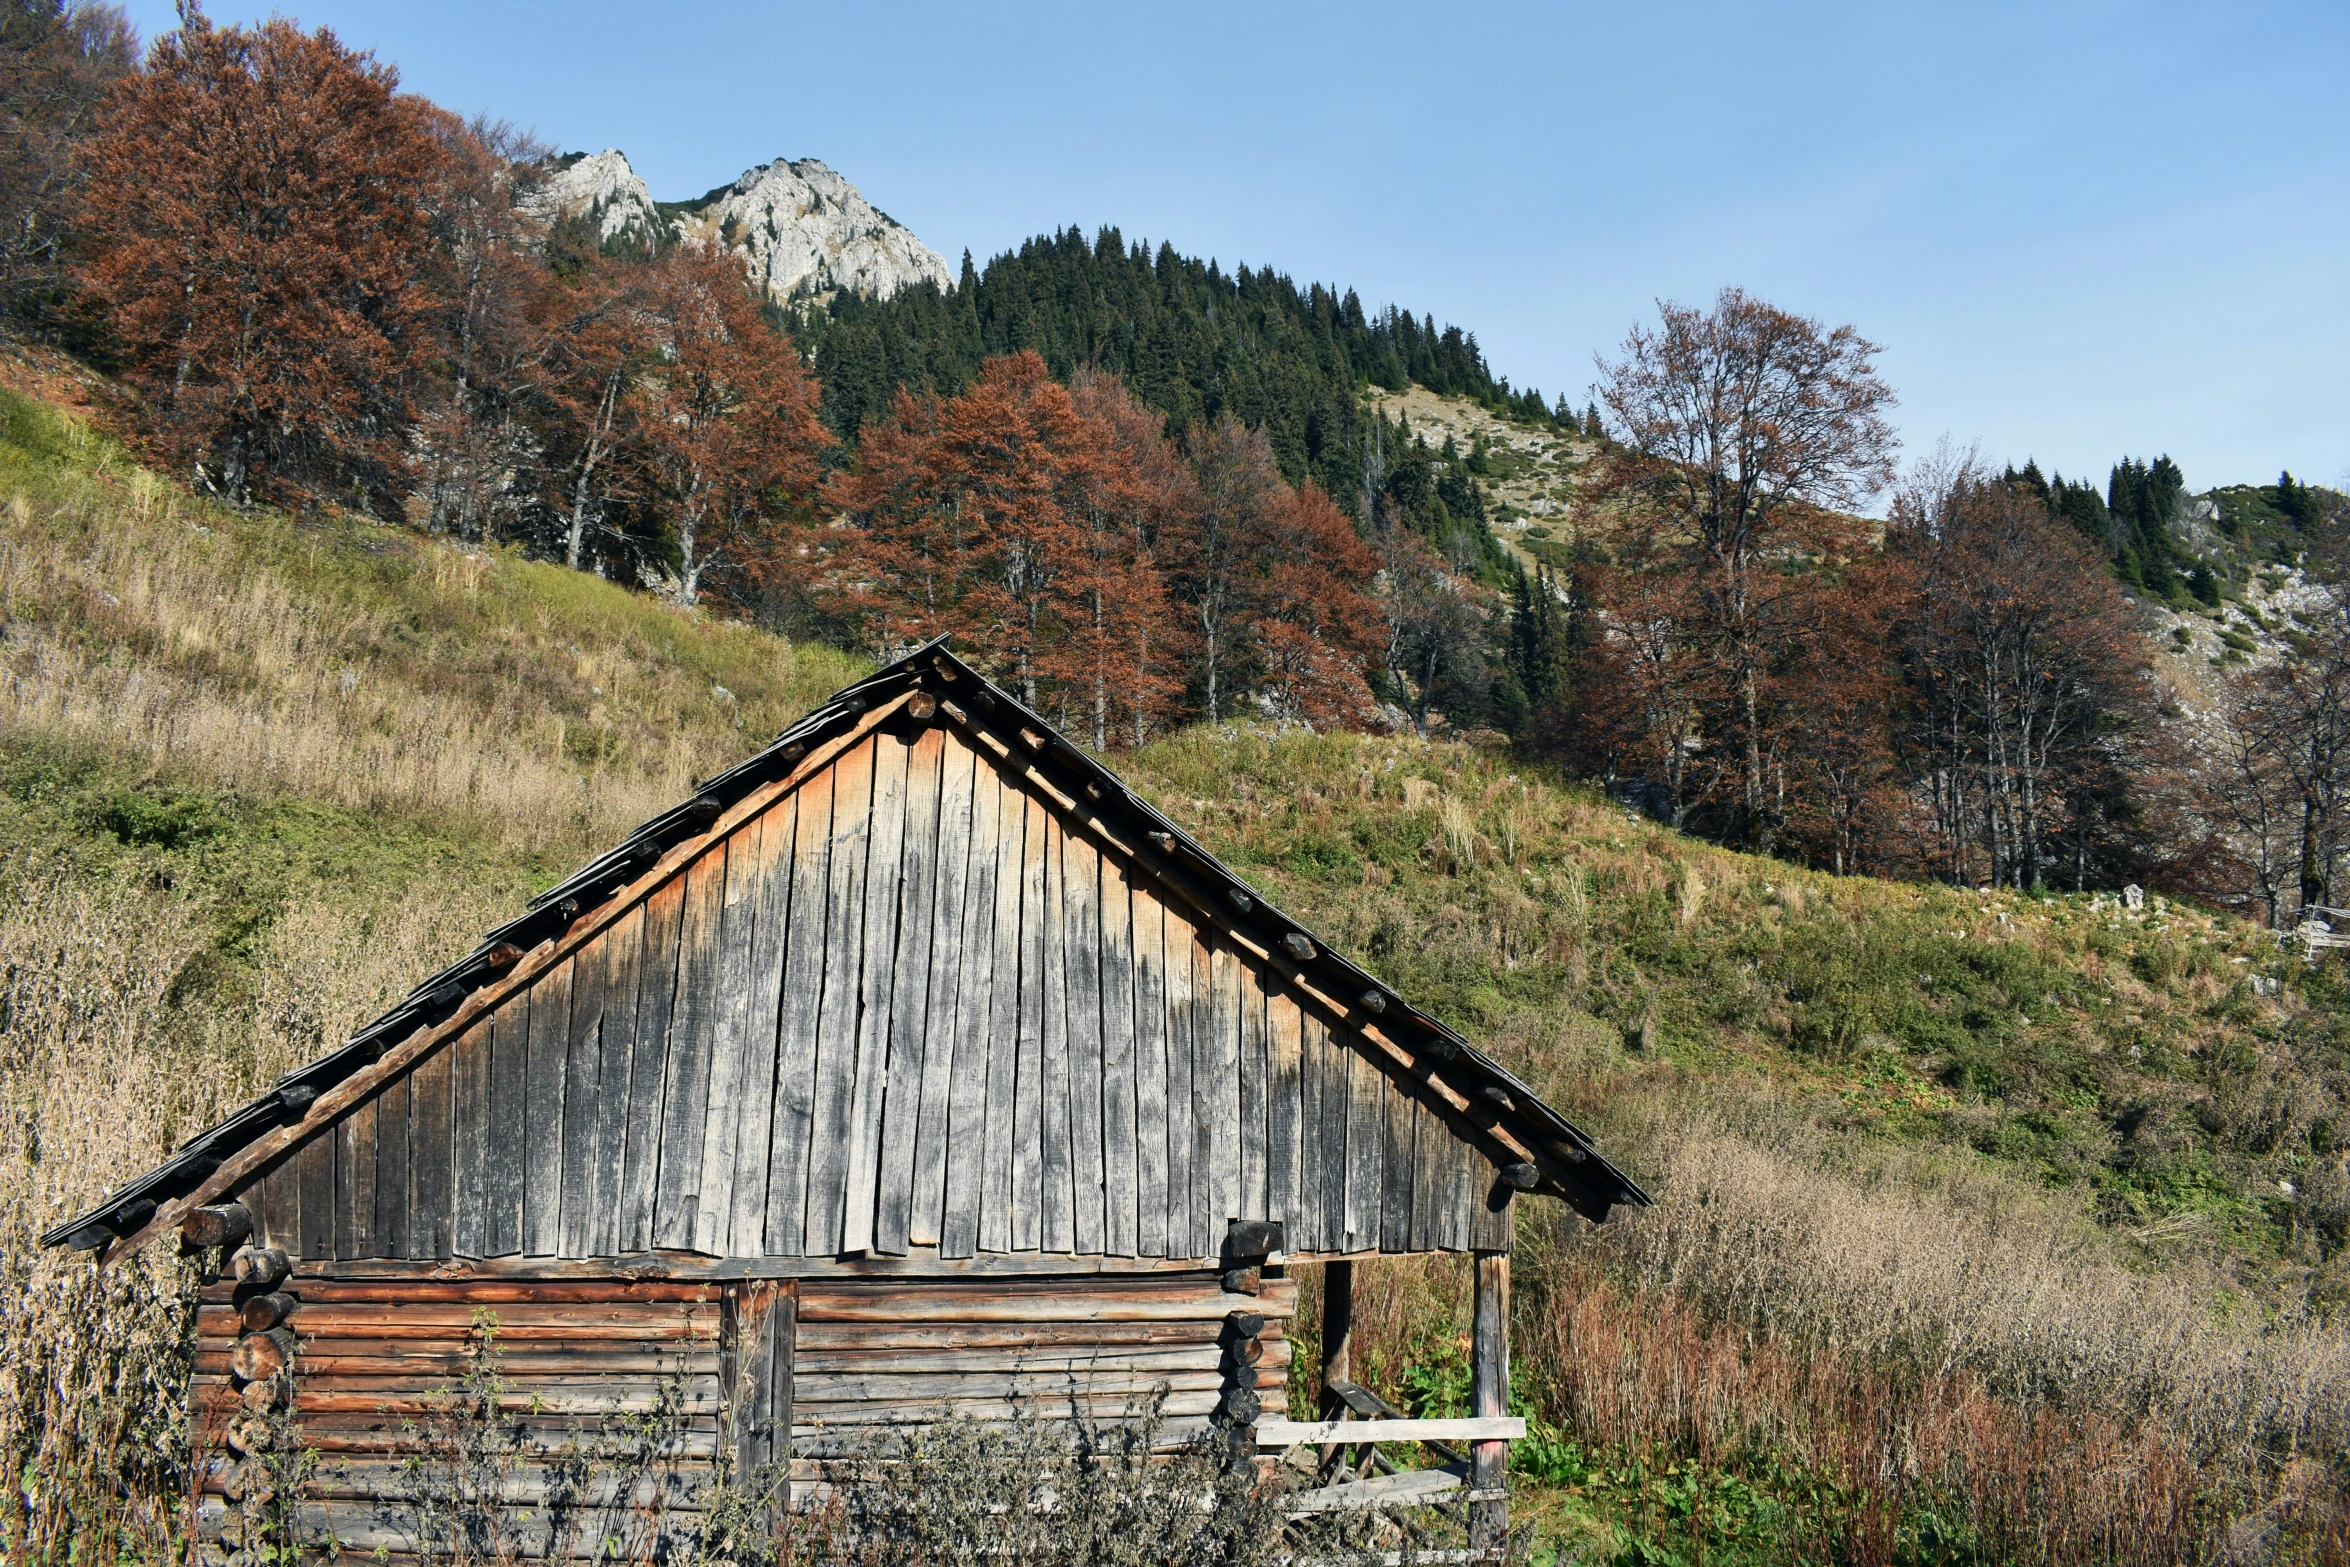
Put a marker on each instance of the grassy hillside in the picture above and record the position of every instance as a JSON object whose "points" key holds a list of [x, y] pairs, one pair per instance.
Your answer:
{"points": [[1962, 1197]]}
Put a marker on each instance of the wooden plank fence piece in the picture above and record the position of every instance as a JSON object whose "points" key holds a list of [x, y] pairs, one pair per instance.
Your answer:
{"points": [[910, 1006], [926, 1209], [1311, 1433], [800, 1017]]}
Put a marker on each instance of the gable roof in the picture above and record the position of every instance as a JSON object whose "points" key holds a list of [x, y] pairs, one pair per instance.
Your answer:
{"points": [[1551, 1156]]}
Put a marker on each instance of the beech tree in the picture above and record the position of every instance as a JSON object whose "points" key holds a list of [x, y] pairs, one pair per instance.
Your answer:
{"points": [[727, 415], [1742, 434], [254, 231], [57, 63]]}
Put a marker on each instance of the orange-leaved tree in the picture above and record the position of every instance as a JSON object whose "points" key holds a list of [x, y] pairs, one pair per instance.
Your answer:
{"points": [[1747, 435], [254, 230], [726, 415]]}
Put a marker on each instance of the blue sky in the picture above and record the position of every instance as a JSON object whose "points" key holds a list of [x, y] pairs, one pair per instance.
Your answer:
{"points": [[2078, 229]]}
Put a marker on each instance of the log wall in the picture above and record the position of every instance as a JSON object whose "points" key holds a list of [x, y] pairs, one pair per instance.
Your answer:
{"points": [[910, 1006], [617, 1386]]}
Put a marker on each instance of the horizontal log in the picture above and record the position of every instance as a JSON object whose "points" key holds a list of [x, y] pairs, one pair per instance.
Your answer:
{"points": [[564, 1534], [839, 1416], [676, 1485], [1285, 1433], [541, 1401], [424, 1288], [689, 1267], [919, 1388], [442, 1363], [964, 1305], [1082, 1358], [344, 1437], [883, 1336]]}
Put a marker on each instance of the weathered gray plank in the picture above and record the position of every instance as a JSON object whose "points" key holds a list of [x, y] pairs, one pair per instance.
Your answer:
{"points": [[799, 1015], [1121, 1177], [355, 1180], [1029, 1089], [1336, 1114], [877, 993], [731, 1011], [927, 1205], [1254, 1092], [317, 1181], [836, 1028], [1002, 1047], [391, 1168], [910, 1008], [1366, 1142], [1305, 1223], [1176, 946], [432, 1158], [1057, 1210], [967, 1144], [1227, 984], [1149, 926], [616, 1076], [1395, 1203], [1081, 914], [685, 1101], [583, 1082], [501, 1228], [656, 993], [1428, 1173], [755, 1092], [1284, 1048], [1207, 1222], [470, 1131], [542, 1156]]}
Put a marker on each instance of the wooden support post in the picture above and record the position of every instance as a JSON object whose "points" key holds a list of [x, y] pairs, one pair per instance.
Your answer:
{"points": [[1338, 1346], [1489, 1398], [1338, 1333]]}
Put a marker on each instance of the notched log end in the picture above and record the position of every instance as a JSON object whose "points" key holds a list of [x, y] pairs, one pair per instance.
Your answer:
{"points": [[921, 707]]}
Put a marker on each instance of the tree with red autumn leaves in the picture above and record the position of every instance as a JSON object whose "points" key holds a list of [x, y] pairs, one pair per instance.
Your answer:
{"points": [[1058, 531], [255, 236], [726, 420]]}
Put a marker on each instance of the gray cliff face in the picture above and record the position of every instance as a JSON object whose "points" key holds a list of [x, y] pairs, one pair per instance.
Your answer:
{"points": [[805, 232], [605, 188]]}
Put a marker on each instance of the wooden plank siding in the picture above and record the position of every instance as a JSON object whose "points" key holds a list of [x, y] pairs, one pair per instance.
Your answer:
{"points": [[913, 1003]]}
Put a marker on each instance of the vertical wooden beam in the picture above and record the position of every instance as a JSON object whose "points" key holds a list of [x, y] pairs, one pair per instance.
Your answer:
{"points": [[1338, 1333], [1489, 1398]]}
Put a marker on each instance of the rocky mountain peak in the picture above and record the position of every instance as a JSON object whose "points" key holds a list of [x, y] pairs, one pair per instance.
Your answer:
{"points": [[808, 233], [604, 186], [805, 232]]}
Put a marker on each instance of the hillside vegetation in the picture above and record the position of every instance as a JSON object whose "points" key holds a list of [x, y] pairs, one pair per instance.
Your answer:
{"points": [[1962, 1197]]}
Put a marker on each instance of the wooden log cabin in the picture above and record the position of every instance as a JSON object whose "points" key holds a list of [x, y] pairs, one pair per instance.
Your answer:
{"points": [[913, 1067]]}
